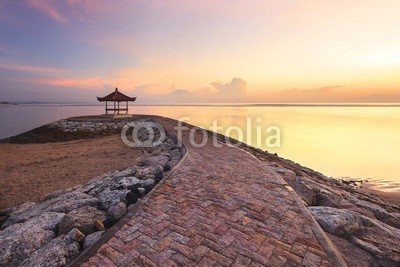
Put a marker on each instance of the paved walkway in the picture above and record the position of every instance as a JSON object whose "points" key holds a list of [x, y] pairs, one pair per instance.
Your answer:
{"points": [[221, 207]]}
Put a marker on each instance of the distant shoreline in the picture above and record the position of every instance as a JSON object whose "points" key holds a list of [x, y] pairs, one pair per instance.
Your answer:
{"points": [[5, 103]]}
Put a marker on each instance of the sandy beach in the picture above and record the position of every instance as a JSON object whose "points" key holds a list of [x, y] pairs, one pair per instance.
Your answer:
{"points": [[30, 171]]}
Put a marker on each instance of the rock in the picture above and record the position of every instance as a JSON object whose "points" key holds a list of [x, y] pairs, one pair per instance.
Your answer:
{"points": [[109, 198], [11, 214], [117, 211], [47, 221], [62, 204], [131, 171], [377, 238], [59, 193], [154, 160], [379, 212], [82, 219], [15, 248], [92, 238], [148, 184], [76, 235], [126, 182], [59, 252], [171, 164], [303, 189], [156, 170], [99, 225], [354, 255], [72, 201], [137, 190], [337, 221]]}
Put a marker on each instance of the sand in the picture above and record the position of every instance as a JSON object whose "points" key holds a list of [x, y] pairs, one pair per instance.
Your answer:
{"points": [[30, 171]]}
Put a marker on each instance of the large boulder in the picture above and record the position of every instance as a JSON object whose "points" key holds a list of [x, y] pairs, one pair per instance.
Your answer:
{"points": [[155, 170], [15, 248], [58, 252], [116, 212], [377, 238], [126, 182], [338, 222], [12, 214], [154, 160], [46, 221], [72, 201], [20, 240], [109, 198], [61, 204], [379, 212], [83, 219]]}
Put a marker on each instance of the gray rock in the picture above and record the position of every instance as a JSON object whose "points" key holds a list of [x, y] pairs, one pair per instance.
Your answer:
{"points": [[148, 184], [83, 219], [337, 221], [117, 211], [92, 238], [156, 170], [126, 182], [76, 235], [155, 160], [62, 204], [13, 212], [379, 212], [72, 201], [127, 172], [171, 164], [59, 252], [109, 198], [15, 248], [375, 237], [47, 221], [59, 193]]}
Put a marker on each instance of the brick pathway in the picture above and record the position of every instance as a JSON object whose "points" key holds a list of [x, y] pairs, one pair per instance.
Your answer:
{"points": [[221, 207]]}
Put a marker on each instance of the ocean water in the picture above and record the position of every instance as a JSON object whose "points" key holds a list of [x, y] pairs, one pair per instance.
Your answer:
{"points": [[339, 141]]}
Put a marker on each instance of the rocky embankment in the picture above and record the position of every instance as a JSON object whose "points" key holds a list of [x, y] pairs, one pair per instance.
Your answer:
{"points": [[57, 230], [365, 228], [70, 129]]}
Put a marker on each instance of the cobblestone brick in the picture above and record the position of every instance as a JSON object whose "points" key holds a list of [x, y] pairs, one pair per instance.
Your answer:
{"points": [[221, 207]]}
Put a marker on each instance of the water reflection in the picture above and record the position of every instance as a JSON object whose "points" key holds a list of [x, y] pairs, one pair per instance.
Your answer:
{"points": [[337, 141]]}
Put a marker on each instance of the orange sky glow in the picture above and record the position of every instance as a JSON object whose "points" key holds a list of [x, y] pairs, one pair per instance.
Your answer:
{"points": [[202, 51]]}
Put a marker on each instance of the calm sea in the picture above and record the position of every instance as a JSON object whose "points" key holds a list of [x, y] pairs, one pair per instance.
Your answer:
{"points": [[339, 141]]}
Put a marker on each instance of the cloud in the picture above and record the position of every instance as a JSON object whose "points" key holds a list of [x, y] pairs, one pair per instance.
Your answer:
{"points": [[236, 87], [63, 11], [94, 82], [30, 68], [48, 8], [234, 91], [180, 92]]}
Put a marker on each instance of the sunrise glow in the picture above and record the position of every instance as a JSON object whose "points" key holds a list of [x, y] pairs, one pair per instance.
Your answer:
{"points": [[191, 51]]}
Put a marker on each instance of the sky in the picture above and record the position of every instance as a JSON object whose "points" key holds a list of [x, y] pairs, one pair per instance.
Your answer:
{"points": [[222, 51]]}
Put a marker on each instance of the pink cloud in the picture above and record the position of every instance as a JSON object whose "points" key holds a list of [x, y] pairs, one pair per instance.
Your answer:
{"points": [[30, 68], [49, 8], [92, 82], [62, 11]]}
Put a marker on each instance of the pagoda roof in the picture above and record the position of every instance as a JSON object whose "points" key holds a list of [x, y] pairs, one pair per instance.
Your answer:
{"points": [[116, 96]]}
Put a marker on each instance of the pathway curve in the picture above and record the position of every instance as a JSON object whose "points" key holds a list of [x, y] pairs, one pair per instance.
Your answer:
{"points": [[221, 207]]}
